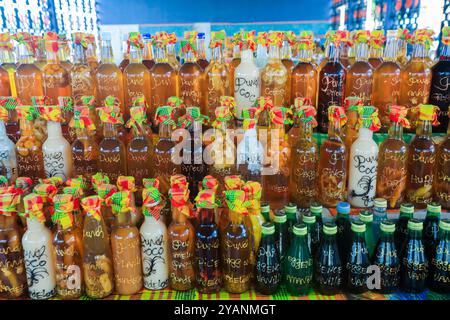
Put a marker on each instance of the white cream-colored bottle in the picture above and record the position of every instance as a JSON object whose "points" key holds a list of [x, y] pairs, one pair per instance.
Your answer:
{"points": [[57, 153], [246, 82]]}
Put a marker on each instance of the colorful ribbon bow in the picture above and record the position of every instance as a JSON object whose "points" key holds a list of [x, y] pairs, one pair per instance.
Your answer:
{"points": [[34, 207], [79, 38], [56, 181], [403, 34], [63, 210], [280, 115], [336, 37], [3, 181], [92, 207], [398, 115], [253, 191], [336, 113], [23, 184], [306, 40], [249, 117], [171, 38], [423, 37], [138, 117], [233, 182], [78, 182], [218, 39], [193, 114], [164, 115], [66, 103], [39, 101], [262, 39], [300, 102], [135, 40], [9, 103], [352, 103], [307, 115], [189, 42], [209, 182], [161, 39], [446, 35], [275, 38], [151, 203], [377, 39], [5, 41], [47, 191], [175, 102], [227, 101], [361, 36], [151, 182], [206, 199], [77, 193], [27, 112], [51, 113], [223, 115], [111, 112], [179, 197], [51, 41], [368, 118], [178, 181], [290, 37], [105, 191], [248, 38], [23, 38], [99, 179], [81, 119], [264, 103], [88, 101], [119, 201], [235, 200], [126, 183], [8, 201], [427, 112], [3, 114]]}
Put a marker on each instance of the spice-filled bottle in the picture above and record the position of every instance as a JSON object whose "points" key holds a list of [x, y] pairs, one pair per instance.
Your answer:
{"points": [[147, 57], [154, 241], [56, 149], [274, 76], [358, 82], [331, 187], [262, 42], [254, 219], [207, 244], [12, 122], [415, 76], [77, 193], [81, 78], [38, 250], [441, 182], [233, 182], [136, 75], [376, 43], [268, 265], [439, 272], [237, 44], [39, 51], [8, 162], [358, 260], [236, 245], [328, 267], [7, 66], [431, 229], [217, 76], [386, 80], [332, 77], [68, 247], [12, 271], [30, 160], [304, 160], [364, 160], [181, 239], [414, 265], [392, 160], [304, 74], [126, 246], [91, 53], [97, 255], [108, 76], [421, 158], [112, 160], [28, 77], [55, 77]]}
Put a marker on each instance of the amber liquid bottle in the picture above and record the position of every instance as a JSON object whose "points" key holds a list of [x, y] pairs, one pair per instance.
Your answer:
{"points": [[125, 53], [172, 56], [85, 154], [274, 78], [147, 58], [441, 183], [201, 51], [136, 79], [112, 159], [56, 78], [63, 55], [28, 76], [386, 80], [82, 80], [191, 82], [286, 59], [39, 53], [7, 64], [233, 65], [217, 81], [421, 159], [108, 76], [5, 87], [331, 187], [304, 78], [360, 75], [331, 85]]}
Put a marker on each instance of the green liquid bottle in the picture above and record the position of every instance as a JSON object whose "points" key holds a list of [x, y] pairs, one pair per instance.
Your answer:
{"points": [[431, 229], [401, 227], [358, 259], [281, 234], [369, 236], [314, 232], [440, 273], [344, 233], [265, 211], [291, 214]]}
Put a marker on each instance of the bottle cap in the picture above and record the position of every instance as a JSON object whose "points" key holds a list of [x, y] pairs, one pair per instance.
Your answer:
{"points": [[300, 229], [407, 208], [316, 208], [201, 35], [106, 36], [387, 226], [309, 218], [444, 224], [366, 216], [434, 207], [329, 228], [391, 33], [267, 228], [414, 224], [380, 202], [343, 207], [146, 36], [280, 217], [265, 207], [358, 226], [290, 208]]}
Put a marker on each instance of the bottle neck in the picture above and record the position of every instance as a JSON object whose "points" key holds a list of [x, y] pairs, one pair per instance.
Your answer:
{"points": [[286, 51], [419, 52], [361, 52], [109, 130], [305, 55], [236, 52], [376, 53], [201, 49], [414, 234], [79, 55], [247, 55], [206, 215], [358, 236], [365, 134], [165, 131], [274, 53], [148, 50], [161, 55], [24, 54], [300, 240], [123, 219], [216, 55], [135, 55], [334, 130], [445, 53], [333, 53], [54, 129], [432, 214], [106, 52], [3, 134], [26, 128], [82, 133], [396, 131], [424, 129], [178, 216], [387, 236], [6, 56], [329, 238], [391, 49], [62, 52], [189, 56], [52, 57], [306, 131], [34, 225]]}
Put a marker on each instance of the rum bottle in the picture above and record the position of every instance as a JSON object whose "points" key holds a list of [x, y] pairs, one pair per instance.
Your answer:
{"points": [[201, 51], [7, 66], [289, 42], [376, 42], [441, 183], [81, 78], [237, 44], [147, 57]]}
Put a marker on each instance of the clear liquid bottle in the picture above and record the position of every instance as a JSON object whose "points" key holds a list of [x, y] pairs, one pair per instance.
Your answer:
{"points": [[7, 65], [41, 58], [81, 78], [441, 183], [403, 36], [91, 53]]}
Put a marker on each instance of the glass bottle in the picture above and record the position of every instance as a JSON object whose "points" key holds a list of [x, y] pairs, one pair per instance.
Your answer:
{"points": [[369, 235], [386, 80], [304, 160], [40, 55], [207, 244], [64, 52], [81, 78], [401, 227], [171, 51], [105, 191], [147, 58], [126, 246], [332, 78], [387, 258], [155, 263], [274, 76], [281, 234], [414, 266], [351, 130], [112, 159], [344, 233], [217, 76], [328, 268], [163, 76], [440, 81], [7, 65], [392, 160], [108, 77], [47, 191], [314, 232], [23, 186], [5, 87], [68, 247], [236, 245], [364, 160], [358, 260], [439, 271], [431, 229], [441, 183], [331, 187], [91, 53], [266, 212], [128, 183], [316, 210], [28, 77], [415, 77], [55, 77], [12, 271], [8, 162], [261, 50], [254, 220], [98, 271], [379, 215], [376, 42], [56, 149], [125, 53], [12, 121], [289, 41], [236, 60], [201, 51], [403, 36], [268, 265], [136, 76], [420, 160], [304, 73], [181, 241], [38, 250]]}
